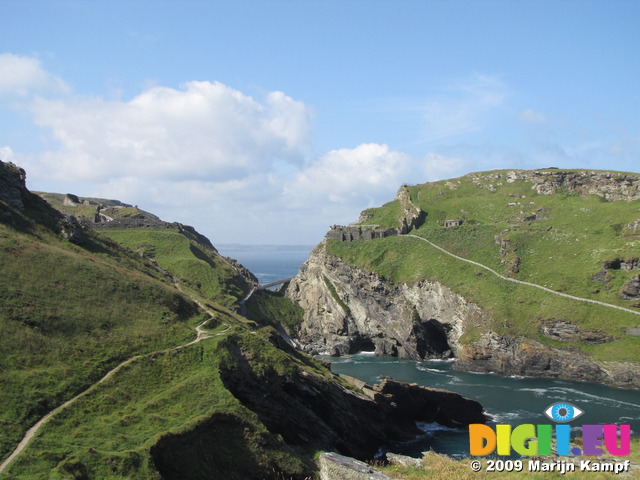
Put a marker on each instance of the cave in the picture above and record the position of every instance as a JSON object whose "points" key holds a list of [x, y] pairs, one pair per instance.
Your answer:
{"points": [[361, 344], [431, 339]]}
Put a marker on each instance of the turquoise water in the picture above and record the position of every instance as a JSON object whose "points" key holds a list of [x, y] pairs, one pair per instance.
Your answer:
{"points": [[512, 400]]}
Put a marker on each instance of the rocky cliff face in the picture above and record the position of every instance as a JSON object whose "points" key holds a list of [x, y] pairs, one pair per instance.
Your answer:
{"points": [[610, 185], [412, 216], [350, 417], [16, 199], [347, 310], [507, 355]]}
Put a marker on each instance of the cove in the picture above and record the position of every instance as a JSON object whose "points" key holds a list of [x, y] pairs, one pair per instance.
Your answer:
{"points": [[509, 400]]}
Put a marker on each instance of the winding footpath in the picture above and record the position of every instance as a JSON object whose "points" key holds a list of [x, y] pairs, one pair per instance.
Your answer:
{"points": [[201, 334], [580, 299]]}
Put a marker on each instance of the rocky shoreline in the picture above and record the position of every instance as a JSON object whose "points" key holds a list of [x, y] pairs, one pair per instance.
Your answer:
{"points": [[348, 310]]}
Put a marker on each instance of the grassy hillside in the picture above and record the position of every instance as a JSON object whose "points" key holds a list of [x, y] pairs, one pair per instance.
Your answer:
{"points": [[195, 266], [69, 314], [559, 241], [128, 300]]}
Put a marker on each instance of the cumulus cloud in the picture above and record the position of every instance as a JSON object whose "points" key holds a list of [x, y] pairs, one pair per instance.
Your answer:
{"points": [[205, 131], [21, 76], [362, 175]]}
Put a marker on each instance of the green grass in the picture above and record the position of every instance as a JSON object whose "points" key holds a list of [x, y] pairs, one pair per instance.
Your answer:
{"points": [[385, 216], [72, 313], [196, 267], [112, 431], [271, 308], [562, 248], [515, 309], [69, 315]]}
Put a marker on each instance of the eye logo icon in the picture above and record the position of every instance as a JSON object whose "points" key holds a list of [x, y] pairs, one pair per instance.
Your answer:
{"points": [[563, 412]]}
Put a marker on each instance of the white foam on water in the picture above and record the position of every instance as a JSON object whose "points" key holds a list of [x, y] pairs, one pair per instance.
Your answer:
{"points": [[506, 417], [604, 400], [538, 392]]}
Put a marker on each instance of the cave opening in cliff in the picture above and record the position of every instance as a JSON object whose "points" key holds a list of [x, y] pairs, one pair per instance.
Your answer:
{"points": [[432, 340], [362, 344]]}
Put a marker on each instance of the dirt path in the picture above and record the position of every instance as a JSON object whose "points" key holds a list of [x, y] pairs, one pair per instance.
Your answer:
{"points": [[201, 334], [580, 299]]}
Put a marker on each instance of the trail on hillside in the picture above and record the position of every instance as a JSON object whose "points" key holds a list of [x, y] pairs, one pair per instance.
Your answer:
{"points": [[201, 334], [580, 299]]}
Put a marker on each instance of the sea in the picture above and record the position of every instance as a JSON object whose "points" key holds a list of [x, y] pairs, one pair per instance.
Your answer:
{"points": [[508, 400]]}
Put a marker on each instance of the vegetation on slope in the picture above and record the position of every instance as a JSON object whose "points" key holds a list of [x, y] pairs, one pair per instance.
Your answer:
{"points": [[119, 430], [195, 266], [71, 313], [560, 241], [272, 308]]}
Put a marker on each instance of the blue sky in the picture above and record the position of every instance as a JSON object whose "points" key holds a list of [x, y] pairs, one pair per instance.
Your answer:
{"points": [[268, 121]]}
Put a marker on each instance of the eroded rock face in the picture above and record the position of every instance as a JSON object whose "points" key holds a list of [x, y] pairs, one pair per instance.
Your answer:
{"points": [[610, 185], [347, 310], [631, 290], [309, 411], [12, 185], [14, 193], [518, 356], [569, 332]]}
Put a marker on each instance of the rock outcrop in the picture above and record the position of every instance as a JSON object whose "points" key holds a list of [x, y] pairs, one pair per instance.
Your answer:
{"points": [[17, 198], [610, 185], [334, 466], [12, 185], [507, 355], [308, 410], [347, 310], [412, 216]]}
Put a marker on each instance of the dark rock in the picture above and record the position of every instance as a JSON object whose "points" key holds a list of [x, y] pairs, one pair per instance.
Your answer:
{"points": [[12, 185], [32, 208], [309, 411], [71, 200], [71, 229], [631, 290], [569, 332]]}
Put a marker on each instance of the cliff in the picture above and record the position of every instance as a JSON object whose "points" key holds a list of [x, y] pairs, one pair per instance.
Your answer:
{"points": [[122, 358], [347, 310], [540, 277]]}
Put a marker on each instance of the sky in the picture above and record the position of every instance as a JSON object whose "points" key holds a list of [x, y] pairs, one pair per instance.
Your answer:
{"points": [[265, 122]]}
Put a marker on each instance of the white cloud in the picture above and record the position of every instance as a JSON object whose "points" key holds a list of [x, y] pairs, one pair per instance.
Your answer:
{"points": [[23, 75], [205, 131], [464, 108], [361, 176], [531, 116]]}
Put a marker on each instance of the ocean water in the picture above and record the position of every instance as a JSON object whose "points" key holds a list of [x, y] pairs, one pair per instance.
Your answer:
{"points": [[268, 262], [510, 400]]}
